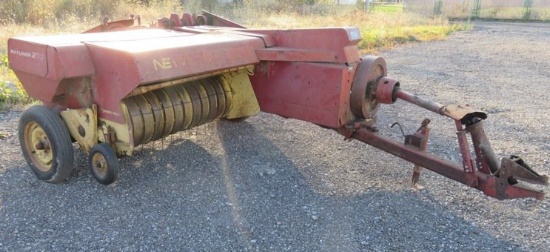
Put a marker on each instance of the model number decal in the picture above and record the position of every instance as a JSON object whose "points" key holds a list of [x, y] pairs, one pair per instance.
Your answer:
{"points": [[32, 55]]}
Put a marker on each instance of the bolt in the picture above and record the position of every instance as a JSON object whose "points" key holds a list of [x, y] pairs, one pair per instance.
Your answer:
{"points": [[81, 131]]}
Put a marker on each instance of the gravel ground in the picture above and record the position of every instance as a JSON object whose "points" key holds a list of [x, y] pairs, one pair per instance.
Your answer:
{"points": [[274, 184]]}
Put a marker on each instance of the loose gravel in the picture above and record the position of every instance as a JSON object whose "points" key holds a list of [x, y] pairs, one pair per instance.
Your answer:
{"points": [[274, 184]]}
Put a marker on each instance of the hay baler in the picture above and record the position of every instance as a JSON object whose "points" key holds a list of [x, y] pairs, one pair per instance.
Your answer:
{"points": [[120, 85]]}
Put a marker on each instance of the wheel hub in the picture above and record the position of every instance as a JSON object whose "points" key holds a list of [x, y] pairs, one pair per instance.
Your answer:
{"points": [[99, 164], [39, 146]]}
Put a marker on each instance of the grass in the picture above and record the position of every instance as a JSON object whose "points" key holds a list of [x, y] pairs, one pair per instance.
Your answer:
{"points": [[387, 8], [380, 30], [542, 14], [385, 27], [516, 13], [11, 91], [502, 13]]}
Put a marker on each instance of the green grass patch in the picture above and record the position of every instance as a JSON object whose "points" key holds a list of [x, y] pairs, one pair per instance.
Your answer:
{"points": [[515, 13], [11, 94], [542, 14], [11, 91], [387, 8], [502, 13]]}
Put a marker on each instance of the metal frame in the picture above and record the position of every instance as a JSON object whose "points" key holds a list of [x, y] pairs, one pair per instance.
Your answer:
{"points": [[146, 81]]}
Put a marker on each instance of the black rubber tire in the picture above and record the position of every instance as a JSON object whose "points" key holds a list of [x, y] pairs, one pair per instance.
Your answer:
{"points": [[103, 163], [53, 163]]}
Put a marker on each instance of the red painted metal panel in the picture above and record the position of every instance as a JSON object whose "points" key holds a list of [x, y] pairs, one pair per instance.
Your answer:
{"points": [[313, 92], [78, 39], [319, 93], [158, 59], [75, 61], [61, 56], [41, 67], [116, 76], [341, 42], [27, 57], [268, 40], [37, 87], [292, 54]]}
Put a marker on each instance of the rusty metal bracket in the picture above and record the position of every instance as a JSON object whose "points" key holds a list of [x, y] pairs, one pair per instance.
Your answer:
{"points": [[486, 159], [463, 113], [467, 161], [423, 134], [114, 25], [501, 189], [82, 125], [514, 168], [215, 20]]}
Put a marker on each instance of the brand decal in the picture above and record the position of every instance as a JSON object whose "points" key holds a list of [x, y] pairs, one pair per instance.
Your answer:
{"points": [[163, 64], [110, 112]]}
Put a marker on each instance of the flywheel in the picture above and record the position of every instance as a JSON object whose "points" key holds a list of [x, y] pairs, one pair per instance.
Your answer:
{"points": [[363, 94]]}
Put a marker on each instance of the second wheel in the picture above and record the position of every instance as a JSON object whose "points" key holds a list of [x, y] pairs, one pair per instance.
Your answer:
{"points": [[103, 163]]}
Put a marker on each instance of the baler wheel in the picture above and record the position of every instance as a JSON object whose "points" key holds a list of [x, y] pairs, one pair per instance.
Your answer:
{"points": [[103, 163], [46, 144]]}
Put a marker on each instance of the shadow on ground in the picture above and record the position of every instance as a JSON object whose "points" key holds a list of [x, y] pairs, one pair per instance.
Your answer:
{"points": [[222, 190]]}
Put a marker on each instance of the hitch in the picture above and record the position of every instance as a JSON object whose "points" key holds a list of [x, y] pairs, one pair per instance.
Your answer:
{"points": [[501, 182], [515, 168]]}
